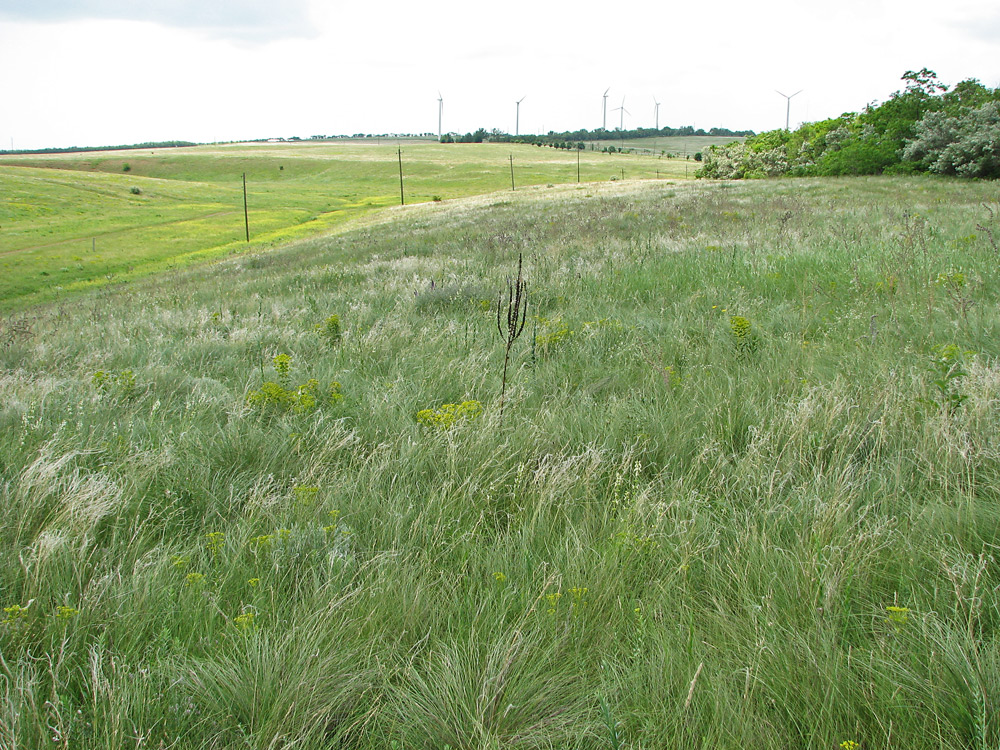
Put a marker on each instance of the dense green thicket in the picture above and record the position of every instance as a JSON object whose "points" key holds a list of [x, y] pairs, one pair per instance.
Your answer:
{"points": [[925, 127]]}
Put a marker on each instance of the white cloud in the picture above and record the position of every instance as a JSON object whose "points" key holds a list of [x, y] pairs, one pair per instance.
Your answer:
{"points": [[179, 70], [255, 20]]}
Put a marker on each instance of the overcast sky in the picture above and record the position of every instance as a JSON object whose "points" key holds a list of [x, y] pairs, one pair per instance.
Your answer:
{"points": [[102, 72]]}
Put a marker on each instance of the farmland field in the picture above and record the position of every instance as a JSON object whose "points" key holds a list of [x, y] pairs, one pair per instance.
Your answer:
{"points": [[682, 147], [742, 491], [76, 221]]}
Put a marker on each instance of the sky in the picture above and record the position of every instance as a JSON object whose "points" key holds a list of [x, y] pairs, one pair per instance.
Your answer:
{"points": [[108, 72]]}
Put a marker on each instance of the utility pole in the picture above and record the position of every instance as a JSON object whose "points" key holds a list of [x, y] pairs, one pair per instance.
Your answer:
{"points": [[512, 172], [399, 152], [246, 213]]}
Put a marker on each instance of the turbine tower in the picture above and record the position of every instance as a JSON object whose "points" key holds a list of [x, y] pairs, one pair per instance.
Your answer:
{"points": [[657, 114], [440, 112], [604, 123], [621, 124], [517, 121], [788, 105]]}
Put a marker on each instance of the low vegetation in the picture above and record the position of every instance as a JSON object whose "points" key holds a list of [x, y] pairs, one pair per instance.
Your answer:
{"points": [[73, 222], [742, 492]]}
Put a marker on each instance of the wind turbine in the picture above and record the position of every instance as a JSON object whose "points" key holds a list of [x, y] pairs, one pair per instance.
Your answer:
{"points": [[440, 112], [621, 124], [657, 114], [788, 105], [604, 124], [517, 122]]}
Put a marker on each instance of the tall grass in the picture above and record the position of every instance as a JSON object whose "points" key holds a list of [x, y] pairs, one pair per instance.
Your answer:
{"points": [[686, 530]]}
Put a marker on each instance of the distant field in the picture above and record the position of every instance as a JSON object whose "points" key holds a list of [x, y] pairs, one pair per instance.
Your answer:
{"points": [[75, 221], [680, 146]]}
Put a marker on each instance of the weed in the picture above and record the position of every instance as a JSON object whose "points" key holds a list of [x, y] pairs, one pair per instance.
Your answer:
{"points": [[743, 334], [948, 368], [330, 330], [898, 616], [245, 621], [216, 541], [12, 330], [121, 384], [448, 415], [554, 333], [283, 366], [283, 396], [516, 315], [955, 286], [305, 496], [64, 612], [988, 230], [612, 727], [14, 615]]}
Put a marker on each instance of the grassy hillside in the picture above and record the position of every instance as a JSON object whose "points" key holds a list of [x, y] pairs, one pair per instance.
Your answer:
{"points": [[743, 492], [76, 221]]}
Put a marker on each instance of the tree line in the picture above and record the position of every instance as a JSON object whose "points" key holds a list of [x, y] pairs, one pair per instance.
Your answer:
{"points": [[583, 136], [81, 149]]}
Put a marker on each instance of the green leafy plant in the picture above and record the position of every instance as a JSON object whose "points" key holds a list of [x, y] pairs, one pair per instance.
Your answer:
{"points": [[330, 330], [121, 384], [743, 334], [554, 332], [947, 366], [282, 395]]}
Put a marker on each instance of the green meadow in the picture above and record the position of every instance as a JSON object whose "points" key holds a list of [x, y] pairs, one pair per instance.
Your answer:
{"points": [[742, 490], [69, 222]]}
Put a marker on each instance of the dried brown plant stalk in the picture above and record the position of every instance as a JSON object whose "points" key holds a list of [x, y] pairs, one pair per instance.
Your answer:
{"points": [[517, 314]]}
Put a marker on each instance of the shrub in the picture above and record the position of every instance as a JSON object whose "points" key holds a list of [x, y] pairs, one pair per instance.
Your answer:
{"points": [[967, 144], [737, 161]]}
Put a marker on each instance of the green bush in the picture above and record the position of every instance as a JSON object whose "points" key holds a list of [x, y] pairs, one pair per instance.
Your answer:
{"points": [[967, 144]]}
